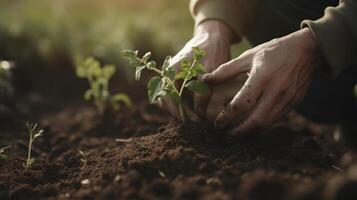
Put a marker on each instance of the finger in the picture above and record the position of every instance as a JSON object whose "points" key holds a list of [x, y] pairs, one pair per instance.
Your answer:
{"points": [[201, 103], [175, 62], [190, 114], [228, 70], [186, 52], [260, 117], [242, 104]]}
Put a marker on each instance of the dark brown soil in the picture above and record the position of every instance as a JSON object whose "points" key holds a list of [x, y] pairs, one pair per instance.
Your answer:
{"points": [[161, 159]]}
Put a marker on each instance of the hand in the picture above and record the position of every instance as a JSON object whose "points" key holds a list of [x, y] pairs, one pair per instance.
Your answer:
{"points": [[214, 38], [279, 75]]}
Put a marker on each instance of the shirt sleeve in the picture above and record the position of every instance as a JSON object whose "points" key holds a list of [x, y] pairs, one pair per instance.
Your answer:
{"points": [[336, 33], [237, 14]]}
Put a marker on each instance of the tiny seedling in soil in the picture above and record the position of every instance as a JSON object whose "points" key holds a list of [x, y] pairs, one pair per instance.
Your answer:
{"points": [[98, 78], [83, 159], [5, 85], [170, 82], [3, 150], [34, 133]]}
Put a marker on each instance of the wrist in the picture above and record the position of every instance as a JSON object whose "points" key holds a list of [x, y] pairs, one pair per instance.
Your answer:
{"points": [[216, 30], [309, 41]]}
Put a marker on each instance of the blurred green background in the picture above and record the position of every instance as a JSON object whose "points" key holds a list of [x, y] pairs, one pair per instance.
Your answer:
{"points": [[43, 34], [42, 31]]}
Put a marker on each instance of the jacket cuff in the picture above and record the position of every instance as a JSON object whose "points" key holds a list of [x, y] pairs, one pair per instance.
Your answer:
{"points": [[235, 14], [336, 39]]}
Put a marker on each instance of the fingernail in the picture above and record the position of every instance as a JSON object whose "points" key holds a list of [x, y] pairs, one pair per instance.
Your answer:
{"points": [[206, 76], [220, 122]]}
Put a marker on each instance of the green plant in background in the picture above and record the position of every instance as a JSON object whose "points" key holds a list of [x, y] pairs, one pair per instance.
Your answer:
{"points": [[2, 152], [5, 85], [98, 78], [34, 133], [166, 83]]}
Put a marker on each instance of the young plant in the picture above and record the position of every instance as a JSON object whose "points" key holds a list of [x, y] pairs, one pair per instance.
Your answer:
{"points": [[168, 81], [6, 88], [34, 133], [98, 78], [83, 159], [3, 156]]}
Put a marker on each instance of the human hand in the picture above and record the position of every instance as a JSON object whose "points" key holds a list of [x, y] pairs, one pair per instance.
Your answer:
{"points": [[279, 75], [214, 38]]}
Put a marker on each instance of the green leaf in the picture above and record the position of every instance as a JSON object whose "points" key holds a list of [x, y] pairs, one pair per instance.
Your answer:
{"points": [[146, 57], [108, 71], [185, 65], [151, 65], [81, 72], [198, 87], [95, 70], [166, 63], [121, 97], [132, 56], [155, 89], [170, 72], [138, 72], [129, 54], [174, 97], [90, 62], [197, 53], [199, 69], [88, 95], [39, 134], [180, 75]]}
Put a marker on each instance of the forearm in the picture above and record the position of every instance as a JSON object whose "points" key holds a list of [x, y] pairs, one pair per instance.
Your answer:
{"points": [[336, 33], [216, 29], [238, 15]]}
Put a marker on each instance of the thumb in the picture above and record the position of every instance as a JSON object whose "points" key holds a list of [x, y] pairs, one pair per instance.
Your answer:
{"points": [[228, 70], [201, 103]]}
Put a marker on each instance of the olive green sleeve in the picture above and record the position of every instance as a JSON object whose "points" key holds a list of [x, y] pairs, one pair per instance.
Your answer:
{"points": [[336, 33], [237, 14]]}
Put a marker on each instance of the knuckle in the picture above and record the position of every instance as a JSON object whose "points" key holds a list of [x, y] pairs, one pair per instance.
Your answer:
{"points": [[257, 121]]}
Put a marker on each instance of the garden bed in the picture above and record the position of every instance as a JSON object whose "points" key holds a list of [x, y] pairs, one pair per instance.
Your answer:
{"points": [[144, 154]]}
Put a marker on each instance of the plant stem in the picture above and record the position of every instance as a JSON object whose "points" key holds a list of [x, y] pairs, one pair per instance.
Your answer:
{"points": [[186, 78], [28, 161], [182, 112], [180, 105]]}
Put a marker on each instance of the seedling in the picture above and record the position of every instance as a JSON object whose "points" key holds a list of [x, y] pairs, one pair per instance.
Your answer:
{"points": [[5, 85], [83, 159], [170, 82], [98, 78], [3, 150], [34, 133]]}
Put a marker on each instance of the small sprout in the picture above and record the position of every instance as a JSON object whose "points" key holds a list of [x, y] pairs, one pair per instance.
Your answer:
{"points": [[162, 174], [98, 78], [34, 133], [167, 81], [3, 150], [83, 159], [5, 77]]}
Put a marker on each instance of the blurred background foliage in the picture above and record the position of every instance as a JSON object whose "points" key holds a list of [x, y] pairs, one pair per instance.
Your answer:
{"points": [[43, 33]]}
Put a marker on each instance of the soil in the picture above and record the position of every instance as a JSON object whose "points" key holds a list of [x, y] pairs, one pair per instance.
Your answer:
{"points": [[143, 154]]}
